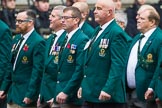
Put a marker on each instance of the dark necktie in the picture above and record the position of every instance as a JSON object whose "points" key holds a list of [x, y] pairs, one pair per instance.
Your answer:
{"points": [[63, 44], [52, 41], [14, 54], [139, 45], [94, 37]]}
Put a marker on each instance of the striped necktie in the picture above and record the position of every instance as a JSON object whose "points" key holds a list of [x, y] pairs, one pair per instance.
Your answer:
{"points": [[64, 43], [15, 51]]}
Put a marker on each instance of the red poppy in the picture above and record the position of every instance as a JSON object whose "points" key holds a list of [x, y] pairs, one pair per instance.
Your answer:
{"points": [[68, 45], [26, 47]]}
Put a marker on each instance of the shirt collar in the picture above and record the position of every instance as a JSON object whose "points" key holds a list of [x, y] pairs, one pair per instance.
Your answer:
{"points": [[106, 24], [28, 34], [72, 32], [149, 33], [81, 24], [59, 33]]}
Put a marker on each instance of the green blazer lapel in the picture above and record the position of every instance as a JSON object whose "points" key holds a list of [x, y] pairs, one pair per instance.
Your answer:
{"points": [[21, 53], [136, 38], [59, 41], [48, 46], [66, 50], [149, 41], [97, 42]]}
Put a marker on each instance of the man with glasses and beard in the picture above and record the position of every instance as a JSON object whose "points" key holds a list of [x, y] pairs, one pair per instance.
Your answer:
{"points": [[23, 84]]}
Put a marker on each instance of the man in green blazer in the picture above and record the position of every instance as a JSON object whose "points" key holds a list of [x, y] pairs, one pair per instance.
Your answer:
{"points": [[53, 45], [143, 58], [84, 26], [5, 55], [69, 73], [103, 85], [23, 84]]}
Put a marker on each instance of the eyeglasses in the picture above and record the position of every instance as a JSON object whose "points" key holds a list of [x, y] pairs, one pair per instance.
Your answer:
{"points": [[67, 17], [21, 21]]}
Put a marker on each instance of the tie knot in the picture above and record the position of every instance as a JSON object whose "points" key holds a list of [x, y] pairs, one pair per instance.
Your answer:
{"points": [[54, 35], [142, 36], [22, 38], [66, 37], [99, 28]]}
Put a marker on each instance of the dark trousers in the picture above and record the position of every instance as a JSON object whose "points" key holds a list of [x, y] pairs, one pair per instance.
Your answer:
{"points": [[103, 105], [134, 102], [3, 103]]}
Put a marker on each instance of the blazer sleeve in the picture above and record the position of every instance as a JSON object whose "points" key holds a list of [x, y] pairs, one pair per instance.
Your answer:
{"points": [[74, 83], [118, 50], [37, 71], [156, 73], [5, 59]]}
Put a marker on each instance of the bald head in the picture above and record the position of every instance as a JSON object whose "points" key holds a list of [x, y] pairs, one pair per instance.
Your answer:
{"points": [[84, 9], [82, 6], [104, 11], [109, 4]]}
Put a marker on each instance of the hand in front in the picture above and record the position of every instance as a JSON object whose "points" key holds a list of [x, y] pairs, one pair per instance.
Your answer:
{"points": [[149, 94], [2, 95], [79, 94], [27, 100], [61, 97], [104, 96], [50, 102]]}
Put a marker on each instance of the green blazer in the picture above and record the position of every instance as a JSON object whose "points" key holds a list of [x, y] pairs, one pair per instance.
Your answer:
{"points": [[50, 73], [104, 66], [69, 67], [5, 50], [25, 80], [147, 67], [87, 29]]}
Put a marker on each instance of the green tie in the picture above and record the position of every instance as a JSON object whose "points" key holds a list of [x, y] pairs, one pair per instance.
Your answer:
{"points": [[63, 45], [139, 44], [14, 53], [94, 38]]}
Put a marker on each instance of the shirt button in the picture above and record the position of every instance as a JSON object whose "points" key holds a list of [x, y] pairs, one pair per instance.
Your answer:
{"points": [[58, 82], [58, 72], [85, 76]]}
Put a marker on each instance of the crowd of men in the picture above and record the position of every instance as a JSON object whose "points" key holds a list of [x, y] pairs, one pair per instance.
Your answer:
{"points": [[113, 62]]}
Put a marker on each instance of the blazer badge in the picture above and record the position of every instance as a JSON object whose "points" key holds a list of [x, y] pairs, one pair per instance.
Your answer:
{"points": [[56, 59], [73, 48], [70, 59], [25, 60], [149, 58], [103, 46], [55, 50]]}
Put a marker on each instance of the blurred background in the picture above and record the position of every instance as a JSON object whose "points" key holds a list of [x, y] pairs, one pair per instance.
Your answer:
{"points": [[126, 3]]}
